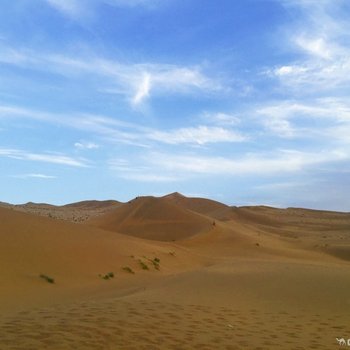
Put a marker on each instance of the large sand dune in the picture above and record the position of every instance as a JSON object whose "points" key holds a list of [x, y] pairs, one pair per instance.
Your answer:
{"points": [[259, 278], [153, 218]]}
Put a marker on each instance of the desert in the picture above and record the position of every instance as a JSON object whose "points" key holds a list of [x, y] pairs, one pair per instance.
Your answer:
{"points": [[172, 272], [174, 175]]}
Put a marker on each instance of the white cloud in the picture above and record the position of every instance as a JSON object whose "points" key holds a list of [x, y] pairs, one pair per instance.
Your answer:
{"points": [[219, 118], [115, 130], [197, 135], [126, 170], [37, 176], [315, 46], [143, 90], [331, 116], [289, 70], [43, 157], [86, 145], [135, 81], [263, 164], [168, 167], [320, 38], [79, 9], [280, 127], [72, 8]]}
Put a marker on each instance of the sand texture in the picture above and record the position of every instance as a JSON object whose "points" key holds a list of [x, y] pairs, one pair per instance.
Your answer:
{"points": [[173, 273]]}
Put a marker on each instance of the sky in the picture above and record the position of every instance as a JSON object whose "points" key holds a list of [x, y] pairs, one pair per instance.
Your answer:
{"points": [[245, 102]]}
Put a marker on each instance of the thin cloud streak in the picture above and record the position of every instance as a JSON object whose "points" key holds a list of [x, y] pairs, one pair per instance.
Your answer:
{"points": [[43, 157], [166, 167], [36, 176], [130, 133], [282, 162], [197, 135], [80, 9]]}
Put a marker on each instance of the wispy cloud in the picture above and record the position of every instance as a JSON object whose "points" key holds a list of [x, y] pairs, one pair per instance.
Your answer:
{"points": [[86, 145], [221, 119], [125, 169], [42, 157], [78, 9], [320, 39], [36, 176], [72, 8], [168, 167], [136, 81], [197, 135], [280, 162], [130, 133], [327, 114], [143, 90]]}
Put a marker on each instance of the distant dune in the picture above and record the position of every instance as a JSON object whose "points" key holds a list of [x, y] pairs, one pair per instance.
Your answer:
{"points": [[172, 273], [93, 204]]}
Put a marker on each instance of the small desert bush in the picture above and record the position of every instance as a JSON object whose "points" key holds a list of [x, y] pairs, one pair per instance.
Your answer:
{"points": [[155, 263], [107, 276], [47, 278], [128, 269], [143, 265]]}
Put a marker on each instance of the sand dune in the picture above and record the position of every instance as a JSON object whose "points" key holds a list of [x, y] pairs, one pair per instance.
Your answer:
{"points": [[74, 255], [153, 218], [203, 206], [260, 278]]}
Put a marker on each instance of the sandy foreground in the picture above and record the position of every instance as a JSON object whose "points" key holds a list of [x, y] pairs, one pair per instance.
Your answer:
{"points": [[228, 278]]}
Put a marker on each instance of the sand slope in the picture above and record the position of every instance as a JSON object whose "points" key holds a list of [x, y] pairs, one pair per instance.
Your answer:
{"points": [[203, 206], [153, 218], [74, 255]]}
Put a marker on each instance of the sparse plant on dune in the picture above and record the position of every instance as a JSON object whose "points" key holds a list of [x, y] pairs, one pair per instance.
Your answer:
{"points": [[155, 263], [128, 269], [143, 265], [47, 278], [107, 276], [172, 253]]}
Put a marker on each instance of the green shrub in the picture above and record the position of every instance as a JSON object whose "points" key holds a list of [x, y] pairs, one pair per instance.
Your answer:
{"points": [[155, 263], [143, 265], [47, 278], [107, 276]]}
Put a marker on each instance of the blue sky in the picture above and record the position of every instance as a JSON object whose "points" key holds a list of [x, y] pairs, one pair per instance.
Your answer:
{"points": [[246, 101]]}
